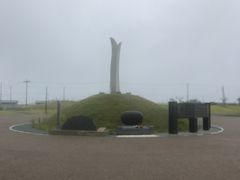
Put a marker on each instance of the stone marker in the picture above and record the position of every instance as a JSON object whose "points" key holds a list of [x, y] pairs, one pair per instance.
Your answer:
{"points": [[79, 123], [132, 124], [132, 118]]}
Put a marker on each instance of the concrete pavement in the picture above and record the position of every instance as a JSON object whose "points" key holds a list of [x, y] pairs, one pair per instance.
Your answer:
{"points": [[30, 157]]}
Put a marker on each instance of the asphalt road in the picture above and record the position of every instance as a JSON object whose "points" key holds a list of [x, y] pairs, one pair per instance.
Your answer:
{"points": [[31, 157]]}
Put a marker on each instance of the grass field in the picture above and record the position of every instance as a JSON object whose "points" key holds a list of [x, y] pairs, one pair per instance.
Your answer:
{"points": [[36, 109], [227, 110], [106, 109]]}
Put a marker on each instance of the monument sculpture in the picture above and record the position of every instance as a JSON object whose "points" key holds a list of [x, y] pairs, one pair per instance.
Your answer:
{"points": [[191, 111], [114, 76]]}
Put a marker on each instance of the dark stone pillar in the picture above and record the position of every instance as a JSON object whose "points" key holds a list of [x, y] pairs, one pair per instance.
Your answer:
{"points": [[193, 125], [172, 118], [206, 123]]}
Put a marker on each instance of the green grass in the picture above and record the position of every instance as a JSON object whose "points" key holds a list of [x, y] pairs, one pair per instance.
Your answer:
{"points": [[227, 110], [37, 110], [106, 109]]}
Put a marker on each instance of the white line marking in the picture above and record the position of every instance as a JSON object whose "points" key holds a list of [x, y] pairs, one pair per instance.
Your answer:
{"points": [[11, 128], [137, 136], [218, 132]]}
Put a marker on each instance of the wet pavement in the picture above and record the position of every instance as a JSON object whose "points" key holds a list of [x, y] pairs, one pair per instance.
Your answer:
{"points": [[31, 157]]}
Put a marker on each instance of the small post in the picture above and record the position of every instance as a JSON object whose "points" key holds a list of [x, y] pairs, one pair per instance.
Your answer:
{"points": [[172, 118], [58, 125]]}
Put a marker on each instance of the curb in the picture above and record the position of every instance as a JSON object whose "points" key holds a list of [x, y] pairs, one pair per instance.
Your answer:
{"points": [[14, 129], [183, 134]]}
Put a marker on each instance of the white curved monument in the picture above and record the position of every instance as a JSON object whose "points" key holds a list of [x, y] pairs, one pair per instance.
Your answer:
{"points": [[114, 76]]}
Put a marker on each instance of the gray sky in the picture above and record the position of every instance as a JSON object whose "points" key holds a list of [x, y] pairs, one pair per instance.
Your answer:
{"points": [[166, 44]]}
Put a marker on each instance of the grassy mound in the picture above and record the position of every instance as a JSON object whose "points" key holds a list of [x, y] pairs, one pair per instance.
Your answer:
{"points": [[106, 109]]}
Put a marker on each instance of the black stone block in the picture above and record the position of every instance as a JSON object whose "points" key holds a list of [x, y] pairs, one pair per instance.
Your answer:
{"points": [[131, 118], [79, 123], [206, 123], [193, 125]]}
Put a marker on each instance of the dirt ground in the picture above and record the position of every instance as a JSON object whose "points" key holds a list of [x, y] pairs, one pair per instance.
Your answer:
{"points": [[32, 157]]}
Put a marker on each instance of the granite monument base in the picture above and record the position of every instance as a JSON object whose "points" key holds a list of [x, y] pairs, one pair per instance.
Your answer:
{"points": [[134, 130]]}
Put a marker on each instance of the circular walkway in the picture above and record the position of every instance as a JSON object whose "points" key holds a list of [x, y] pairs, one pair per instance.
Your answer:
{"points": [[27, 128]]}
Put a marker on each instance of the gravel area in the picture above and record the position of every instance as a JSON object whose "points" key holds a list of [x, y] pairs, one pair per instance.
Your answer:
{"points": [[31, 157]]}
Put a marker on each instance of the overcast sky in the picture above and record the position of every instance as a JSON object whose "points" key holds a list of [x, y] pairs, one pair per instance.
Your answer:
{"points": [[165, 45]]}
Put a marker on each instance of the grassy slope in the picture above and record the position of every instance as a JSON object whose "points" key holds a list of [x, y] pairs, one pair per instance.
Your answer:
{"points": [[105, 109]]}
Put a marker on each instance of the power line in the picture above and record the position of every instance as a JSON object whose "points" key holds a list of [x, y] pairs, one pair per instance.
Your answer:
{"points": [[69, 83]]}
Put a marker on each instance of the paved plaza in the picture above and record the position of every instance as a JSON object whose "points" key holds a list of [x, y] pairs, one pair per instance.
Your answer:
{"points": [[34, 157]]}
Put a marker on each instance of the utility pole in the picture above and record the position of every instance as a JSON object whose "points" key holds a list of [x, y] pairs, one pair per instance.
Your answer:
{"points": [[46, 101], [224, 98], [188, 92], [10, 94], [64, 93], [0, 94], [26, 82]]}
